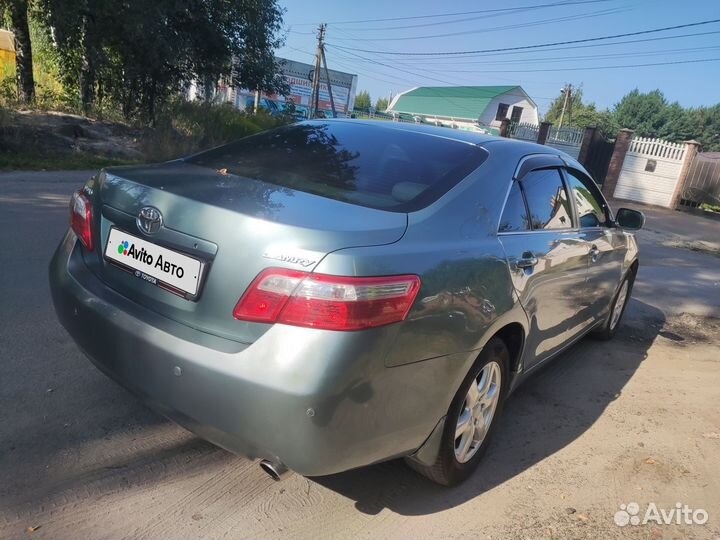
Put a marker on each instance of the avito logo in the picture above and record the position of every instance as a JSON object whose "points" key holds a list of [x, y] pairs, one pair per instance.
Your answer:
{"points": [[129, 250], [123, 247]]}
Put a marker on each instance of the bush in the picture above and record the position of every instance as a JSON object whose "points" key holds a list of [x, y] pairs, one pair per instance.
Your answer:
{"points": [[184, 127], [710, 207]]}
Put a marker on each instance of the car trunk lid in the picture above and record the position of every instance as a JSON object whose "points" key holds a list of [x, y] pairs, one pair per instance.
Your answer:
{"points": [[234, 226]]}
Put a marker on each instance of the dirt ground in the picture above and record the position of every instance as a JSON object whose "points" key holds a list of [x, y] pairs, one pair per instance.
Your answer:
{"points": [[635, 420], [52, 133]]}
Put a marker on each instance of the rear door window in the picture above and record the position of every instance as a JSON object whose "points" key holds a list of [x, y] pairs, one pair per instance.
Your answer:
{"points": [[547, 200], [379, 167], [515, 216]]}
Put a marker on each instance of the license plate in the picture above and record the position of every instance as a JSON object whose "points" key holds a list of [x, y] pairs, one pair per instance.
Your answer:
{"points": [[152, 262]]}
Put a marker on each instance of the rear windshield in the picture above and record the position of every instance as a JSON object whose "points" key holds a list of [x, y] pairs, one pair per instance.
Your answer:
{"points": [[388, 169]]}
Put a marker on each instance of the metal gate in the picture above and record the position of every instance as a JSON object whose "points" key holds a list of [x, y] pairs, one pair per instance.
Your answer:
{"points": [[703, 181], [598, 158]]}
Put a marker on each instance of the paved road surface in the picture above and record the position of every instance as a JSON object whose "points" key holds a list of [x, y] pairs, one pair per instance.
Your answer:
{"points": [[605, 424]]}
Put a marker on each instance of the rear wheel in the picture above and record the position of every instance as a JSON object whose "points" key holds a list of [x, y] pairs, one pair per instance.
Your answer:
{"points": [[617, 309], [471, 417]]}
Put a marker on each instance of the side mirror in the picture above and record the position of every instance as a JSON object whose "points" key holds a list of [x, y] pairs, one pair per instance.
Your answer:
{"points": [[630, 219]]}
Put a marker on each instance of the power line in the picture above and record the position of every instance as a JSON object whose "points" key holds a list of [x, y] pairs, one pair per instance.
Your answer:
{"points": [[464, 61], [300, 51], [355, 59], [541, 22], [536, 46], [459, 104], [693, 61], [435, 16], [485, 15], [565, 58], [351, 65]]}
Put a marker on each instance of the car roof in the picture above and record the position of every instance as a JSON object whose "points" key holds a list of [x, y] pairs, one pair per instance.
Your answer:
{"points": [[480, 139]]}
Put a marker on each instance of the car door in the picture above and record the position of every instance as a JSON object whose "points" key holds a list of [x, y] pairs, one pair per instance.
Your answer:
{"points": [[606, 249], [547, 257]]}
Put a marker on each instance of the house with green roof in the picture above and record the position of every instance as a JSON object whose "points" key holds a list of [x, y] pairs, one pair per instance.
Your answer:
{"points": [[463, 106]]}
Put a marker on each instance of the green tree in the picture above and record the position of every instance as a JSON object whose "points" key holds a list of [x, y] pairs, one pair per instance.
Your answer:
{"points": [[580, 114], [363, 101], [649, 115], [16, 13], [381, 104], [138, 53], [701, 124]]}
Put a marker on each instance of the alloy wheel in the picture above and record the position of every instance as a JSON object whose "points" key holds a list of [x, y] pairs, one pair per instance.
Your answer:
{"points": [[619, 305], [478, 410]]}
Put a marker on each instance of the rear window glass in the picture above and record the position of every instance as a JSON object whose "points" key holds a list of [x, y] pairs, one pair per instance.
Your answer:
{"points": [[388, 169]]}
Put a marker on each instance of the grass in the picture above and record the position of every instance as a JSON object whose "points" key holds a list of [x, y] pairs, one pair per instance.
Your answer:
{"points": [[185, 127], [31, 161], [182, 128]]}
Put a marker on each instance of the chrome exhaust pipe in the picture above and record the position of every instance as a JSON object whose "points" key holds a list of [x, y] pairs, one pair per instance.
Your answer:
{"points": [[275, 469]]}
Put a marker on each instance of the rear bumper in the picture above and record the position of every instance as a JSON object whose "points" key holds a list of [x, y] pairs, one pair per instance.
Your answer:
{"points": [[321, 402]]}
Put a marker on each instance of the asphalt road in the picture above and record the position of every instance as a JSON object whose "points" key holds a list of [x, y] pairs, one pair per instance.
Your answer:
{"points": [[605, 424]]}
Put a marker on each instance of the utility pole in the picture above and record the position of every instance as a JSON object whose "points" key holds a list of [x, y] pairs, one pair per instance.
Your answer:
{"points": [[327, 76], [315, 96], [320, 62], [567, 90]]}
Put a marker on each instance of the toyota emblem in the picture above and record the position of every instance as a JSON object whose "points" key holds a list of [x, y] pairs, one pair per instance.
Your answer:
{"points": [[149, 220]]}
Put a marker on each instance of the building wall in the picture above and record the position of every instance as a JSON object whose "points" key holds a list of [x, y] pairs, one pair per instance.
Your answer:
{"points": [[298, 75], [7, 53], [7, 58], [529, 113]]}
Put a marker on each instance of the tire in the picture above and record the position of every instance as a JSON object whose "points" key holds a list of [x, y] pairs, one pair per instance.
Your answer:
{"points": [[611, 324], [452, 465]]}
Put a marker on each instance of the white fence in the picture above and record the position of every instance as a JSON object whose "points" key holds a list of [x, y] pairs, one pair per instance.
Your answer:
{"points": [[651, 171], [657, 148]]}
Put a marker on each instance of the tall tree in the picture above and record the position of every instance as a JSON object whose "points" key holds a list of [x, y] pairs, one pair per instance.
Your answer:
{"points": [[17, 14], [257, 25], [650, 114], [381, 104], [580, 114], [138, 53], [703, 125], [363, 101]]}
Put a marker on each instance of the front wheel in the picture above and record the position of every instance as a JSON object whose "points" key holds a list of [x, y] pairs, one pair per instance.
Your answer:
{"points": [[471, 417]]}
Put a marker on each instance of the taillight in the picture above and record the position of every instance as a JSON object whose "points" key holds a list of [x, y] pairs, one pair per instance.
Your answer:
{"points": [[329, 302], [81, 218]]}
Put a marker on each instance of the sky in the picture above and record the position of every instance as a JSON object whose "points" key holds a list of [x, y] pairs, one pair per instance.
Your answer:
{"points": [[357, 42]]}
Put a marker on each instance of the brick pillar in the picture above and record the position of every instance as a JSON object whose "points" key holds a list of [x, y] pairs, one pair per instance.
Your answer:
{"points": [[588, 138], [622, 145], [543, 132], [691, 150], [504, 127]]}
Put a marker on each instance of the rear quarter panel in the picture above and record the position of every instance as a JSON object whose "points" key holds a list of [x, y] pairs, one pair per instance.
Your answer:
{"points": [[452, 245]]}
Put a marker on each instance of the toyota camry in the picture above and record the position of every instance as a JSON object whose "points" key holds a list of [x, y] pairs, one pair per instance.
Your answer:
{"points": [[336, 293]]}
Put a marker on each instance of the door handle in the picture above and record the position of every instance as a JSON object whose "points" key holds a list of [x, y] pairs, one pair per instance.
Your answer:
{"points": [[594, 253], [527, 262]]}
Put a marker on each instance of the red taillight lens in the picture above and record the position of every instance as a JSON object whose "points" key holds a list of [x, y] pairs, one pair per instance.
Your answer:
{"points": [[81, 218], [327, 302]]}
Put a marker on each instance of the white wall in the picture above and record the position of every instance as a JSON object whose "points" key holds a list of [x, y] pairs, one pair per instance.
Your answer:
{"points": [[656, 187], [529, 113]]}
